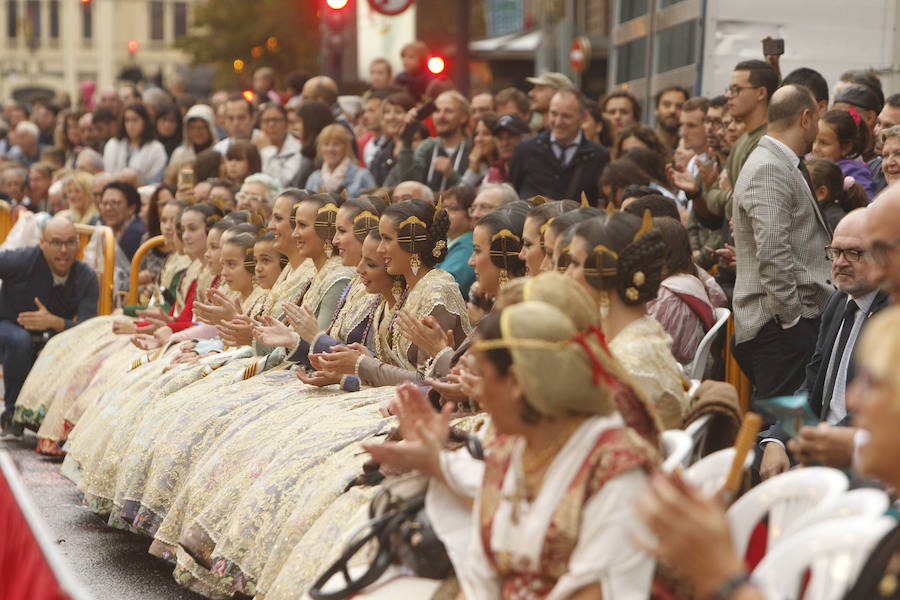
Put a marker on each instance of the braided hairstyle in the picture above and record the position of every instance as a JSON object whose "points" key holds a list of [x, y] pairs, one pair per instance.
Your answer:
{"points": [[326, 212], [245, 240], [421, 229], [563, 228], [504, 227], [544, 212], [625, 254], [363, 213], [211, 214]]}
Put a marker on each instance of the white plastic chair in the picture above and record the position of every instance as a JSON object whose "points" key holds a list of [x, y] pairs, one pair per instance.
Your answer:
{"points": [[710, 472], [696, 368], [698, 430], [833, 552], [861, 502], [676, 448], [784, 498]]}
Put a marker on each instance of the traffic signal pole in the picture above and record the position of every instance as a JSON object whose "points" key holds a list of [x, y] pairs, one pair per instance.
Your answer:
{"points": [[462, 47]]}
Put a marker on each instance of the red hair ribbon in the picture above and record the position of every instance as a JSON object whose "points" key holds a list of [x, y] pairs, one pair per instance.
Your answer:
{"points": [[855, 115], [597, 367]]}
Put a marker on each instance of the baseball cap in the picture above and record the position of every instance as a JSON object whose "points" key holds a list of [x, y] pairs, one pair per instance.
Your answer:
{"points": [[859, 95], [512, 124], [553, 79]]}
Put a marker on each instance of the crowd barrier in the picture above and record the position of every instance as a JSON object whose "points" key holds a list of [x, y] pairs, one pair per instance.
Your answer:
{"points": [[105, 303], [151, 243], [30, 565]]}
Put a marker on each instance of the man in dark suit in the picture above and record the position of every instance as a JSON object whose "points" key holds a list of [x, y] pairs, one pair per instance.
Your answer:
{"points": [[559, 162], [832, 365], [45, 290], [783, 278]]}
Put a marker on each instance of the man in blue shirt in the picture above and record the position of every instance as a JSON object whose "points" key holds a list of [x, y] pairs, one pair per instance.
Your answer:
{"points": [[44, 291]]}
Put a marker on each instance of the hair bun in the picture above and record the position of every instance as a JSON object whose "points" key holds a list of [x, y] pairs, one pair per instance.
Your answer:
{"points": [[640, 267]]}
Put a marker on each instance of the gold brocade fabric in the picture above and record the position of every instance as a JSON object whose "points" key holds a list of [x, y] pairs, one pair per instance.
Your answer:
{"points": [[644, 349], [175, 429], [299, 482], [355, 309], [174, 263], [436, 289]]}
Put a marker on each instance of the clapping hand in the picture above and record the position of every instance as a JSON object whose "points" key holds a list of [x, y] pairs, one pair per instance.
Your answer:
{"points": [[426, 334], [682, 179], [303, 320], [217, 309], [237, 332], [424, 433], [273, 332], [341, 360], [318, 378]]}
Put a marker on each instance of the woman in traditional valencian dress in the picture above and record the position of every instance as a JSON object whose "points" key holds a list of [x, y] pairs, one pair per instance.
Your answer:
{"points": [[309, 424], [619, 259], [256, 521], [557, 500], [174, 428]]}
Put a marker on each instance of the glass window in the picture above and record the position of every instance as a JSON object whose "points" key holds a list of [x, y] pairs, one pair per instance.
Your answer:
{"points": [[87, 21], [676, 46], [631, 60], [631, 9], [54, 19], [180, 19], [33, 18], [156, 20], [668, 3], [12, 18]]}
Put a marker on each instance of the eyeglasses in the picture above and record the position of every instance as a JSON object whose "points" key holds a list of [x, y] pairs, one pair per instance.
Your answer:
{"points": [[249, 197], [57, 244], [851, 254], [734, 90], [880, 252]]}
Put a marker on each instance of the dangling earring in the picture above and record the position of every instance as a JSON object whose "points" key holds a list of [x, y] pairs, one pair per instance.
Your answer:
{"points": [[504, 277], [397, 290], [329, 248], [414, 263], [604, 304]]}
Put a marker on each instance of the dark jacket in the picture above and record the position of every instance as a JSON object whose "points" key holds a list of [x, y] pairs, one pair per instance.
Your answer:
{"points": [[534, 169], [816, 370], [26, 275]]}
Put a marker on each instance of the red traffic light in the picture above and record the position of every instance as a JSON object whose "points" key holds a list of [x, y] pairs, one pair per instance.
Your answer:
{"points": [[435, 65], [336, 4], [85, 1], [133, 46], [248, 95]]}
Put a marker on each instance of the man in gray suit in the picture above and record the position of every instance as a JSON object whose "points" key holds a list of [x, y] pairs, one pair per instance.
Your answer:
{"points": [[783, 278]]}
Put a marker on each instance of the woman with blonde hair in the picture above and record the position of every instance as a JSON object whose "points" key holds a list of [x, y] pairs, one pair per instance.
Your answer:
{"points": [[339, 170], [78, 191]]}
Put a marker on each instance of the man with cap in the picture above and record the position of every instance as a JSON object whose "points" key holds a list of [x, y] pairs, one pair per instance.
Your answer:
{"points": [[866, 103], [559, 162], [545, 86], [508, 132]]}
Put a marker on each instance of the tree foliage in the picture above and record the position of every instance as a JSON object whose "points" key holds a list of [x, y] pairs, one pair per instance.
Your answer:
{"points": [[227, 30]]}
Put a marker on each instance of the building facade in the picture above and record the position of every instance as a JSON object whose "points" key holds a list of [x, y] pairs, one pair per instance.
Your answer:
{"points": [[55, 45]]}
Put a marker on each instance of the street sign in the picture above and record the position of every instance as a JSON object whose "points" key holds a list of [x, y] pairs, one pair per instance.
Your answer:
{"points": [[580, 54], [390, 7]]}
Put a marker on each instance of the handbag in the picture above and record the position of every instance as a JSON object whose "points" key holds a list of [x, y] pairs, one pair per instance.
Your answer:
{"points": [[401, 532]]}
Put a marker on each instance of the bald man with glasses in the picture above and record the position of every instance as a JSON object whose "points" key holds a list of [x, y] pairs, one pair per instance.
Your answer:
{"points": [[44, 290]]}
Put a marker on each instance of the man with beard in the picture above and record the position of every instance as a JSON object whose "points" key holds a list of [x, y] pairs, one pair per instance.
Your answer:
{"points": [[668, 114], [438, 162], [831, 367], [783, 278]]}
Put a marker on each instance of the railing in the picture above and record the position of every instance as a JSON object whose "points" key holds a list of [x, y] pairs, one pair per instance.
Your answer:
{"points": [[6, 223], [105, 303], [733, 373], [153, 242]]}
